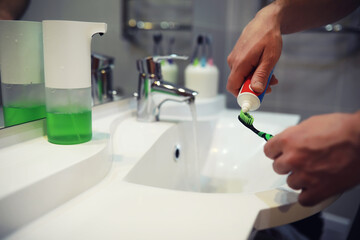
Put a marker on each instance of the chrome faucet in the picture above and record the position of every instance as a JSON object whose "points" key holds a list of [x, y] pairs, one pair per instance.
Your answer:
{"points": [[153, 91], [101, 78]]}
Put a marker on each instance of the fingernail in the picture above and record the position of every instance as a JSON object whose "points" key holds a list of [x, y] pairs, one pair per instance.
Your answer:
{"points": [[259, 86]]}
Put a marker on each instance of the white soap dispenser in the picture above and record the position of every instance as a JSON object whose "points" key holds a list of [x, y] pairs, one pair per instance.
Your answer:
{"points": [[67, 68]]}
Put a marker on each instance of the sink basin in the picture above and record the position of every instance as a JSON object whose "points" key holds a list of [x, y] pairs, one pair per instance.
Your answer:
{"points": [[228, 157]]}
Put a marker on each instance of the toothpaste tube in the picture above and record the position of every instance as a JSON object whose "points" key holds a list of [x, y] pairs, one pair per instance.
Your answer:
{"points": [[249, 100]]}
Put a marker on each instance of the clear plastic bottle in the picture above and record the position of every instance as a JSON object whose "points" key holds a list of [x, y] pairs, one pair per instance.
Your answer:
{"points": [[68, 115]]}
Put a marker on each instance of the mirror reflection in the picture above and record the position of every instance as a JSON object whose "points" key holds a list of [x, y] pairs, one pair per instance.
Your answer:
{"points": [[22, 75]]}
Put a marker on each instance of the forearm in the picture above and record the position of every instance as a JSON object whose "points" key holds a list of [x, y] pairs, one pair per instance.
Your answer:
{"points": [[297, 15]]}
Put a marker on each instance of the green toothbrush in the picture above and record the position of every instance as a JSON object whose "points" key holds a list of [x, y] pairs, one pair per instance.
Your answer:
{"points": [[248, 120]]}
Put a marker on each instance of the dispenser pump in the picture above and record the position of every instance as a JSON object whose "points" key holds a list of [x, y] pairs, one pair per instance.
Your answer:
{"points": [[67, 50]]}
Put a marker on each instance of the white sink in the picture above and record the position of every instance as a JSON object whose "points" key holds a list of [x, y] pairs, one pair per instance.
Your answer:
{"points": [[230, 160]]}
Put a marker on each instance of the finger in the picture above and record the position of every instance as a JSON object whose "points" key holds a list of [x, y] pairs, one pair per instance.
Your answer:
{"points": [[281, 166], [308, 197], [234, 83], [237, 77], [294, 181], [273, 80], [273, 148], [240, 69], [260, 77]]}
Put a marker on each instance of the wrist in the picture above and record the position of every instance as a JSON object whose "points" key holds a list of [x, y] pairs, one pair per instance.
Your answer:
{"points": [[271, 16]]}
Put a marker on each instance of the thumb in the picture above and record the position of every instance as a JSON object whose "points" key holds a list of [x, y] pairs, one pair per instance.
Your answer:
{"points": [[260, 77]]}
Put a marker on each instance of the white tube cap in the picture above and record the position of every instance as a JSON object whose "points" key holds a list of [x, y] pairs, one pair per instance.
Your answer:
{"points": [[248, 101]]}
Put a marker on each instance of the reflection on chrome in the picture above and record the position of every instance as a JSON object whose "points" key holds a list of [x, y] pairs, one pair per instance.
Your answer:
{"points": [[153, 91]]}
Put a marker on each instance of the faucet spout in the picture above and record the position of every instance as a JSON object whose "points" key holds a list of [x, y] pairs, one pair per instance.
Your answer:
{"points": [[173, 90], [153, 91]]}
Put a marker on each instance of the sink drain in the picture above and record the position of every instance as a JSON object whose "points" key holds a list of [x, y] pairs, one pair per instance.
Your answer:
{"points": [[177, 151]]}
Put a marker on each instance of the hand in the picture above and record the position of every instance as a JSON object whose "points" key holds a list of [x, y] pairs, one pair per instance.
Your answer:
{"points": [[257, 50], [322, 155]]}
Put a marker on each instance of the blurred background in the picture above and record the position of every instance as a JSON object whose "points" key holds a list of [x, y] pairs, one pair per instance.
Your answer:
{"points": [[318, 70]]}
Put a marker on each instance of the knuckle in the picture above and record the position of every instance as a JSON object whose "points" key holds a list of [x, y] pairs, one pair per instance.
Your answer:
{"points": [[262, 74], [267, 151], [279, 167], [293, 182]]}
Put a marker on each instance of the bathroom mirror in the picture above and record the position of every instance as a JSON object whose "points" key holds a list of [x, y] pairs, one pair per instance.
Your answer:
{"points": [[21, 72]]}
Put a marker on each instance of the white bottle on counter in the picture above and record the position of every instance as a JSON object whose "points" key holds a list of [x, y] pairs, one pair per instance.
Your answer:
{"points": [[169, 71], [203, 79]]}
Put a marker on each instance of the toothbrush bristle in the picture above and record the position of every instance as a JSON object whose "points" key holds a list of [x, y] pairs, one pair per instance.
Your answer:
{"points": [[246, 117]]}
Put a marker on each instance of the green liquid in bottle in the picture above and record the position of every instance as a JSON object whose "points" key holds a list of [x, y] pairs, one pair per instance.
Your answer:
{"points": [[14, 115], [69, 128]]}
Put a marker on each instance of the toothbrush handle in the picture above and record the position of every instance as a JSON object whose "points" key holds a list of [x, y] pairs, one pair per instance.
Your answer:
{"points": [[265, 136]]}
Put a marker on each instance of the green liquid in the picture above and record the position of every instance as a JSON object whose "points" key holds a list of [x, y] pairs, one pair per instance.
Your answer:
{"points": [[69, 128], [18, 115]]}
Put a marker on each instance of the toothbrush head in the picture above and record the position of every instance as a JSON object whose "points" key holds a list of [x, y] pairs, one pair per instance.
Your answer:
{"points": [[199, 42], [246, 119]]}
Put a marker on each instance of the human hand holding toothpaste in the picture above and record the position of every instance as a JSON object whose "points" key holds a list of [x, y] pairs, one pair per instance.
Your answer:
{"points": [[256, 52]]}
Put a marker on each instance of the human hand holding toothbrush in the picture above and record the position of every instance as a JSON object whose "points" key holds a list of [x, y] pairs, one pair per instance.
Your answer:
{"points": [[321, 155]]}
